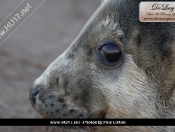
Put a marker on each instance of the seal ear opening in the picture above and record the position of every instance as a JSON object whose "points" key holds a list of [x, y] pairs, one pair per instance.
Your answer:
{"points": [[99, 114]]}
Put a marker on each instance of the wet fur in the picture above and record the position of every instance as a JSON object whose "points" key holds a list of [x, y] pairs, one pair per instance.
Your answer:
{"points": [[141, 86]]}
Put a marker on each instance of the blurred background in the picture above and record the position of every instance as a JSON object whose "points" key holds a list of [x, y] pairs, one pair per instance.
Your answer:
{"points": [[32, 47]]}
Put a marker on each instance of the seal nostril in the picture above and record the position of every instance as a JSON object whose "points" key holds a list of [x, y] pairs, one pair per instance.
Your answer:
{"points": [[34, 96], [33, 93]]}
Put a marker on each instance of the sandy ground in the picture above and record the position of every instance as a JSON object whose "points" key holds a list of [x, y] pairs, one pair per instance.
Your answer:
{"points": [[31, 48]]}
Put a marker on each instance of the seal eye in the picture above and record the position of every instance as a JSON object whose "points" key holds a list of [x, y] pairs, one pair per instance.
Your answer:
{"points": [[109, 53]]}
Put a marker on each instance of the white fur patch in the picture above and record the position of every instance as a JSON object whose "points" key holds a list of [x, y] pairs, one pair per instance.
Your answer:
{"points": [[111, 25]]}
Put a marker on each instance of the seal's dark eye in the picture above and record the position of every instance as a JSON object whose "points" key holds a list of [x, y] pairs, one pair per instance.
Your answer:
{"points": [[109, 53]]}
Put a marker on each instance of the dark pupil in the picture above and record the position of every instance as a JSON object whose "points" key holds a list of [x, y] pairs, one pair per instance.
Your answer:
{"points": [[110, 52]]}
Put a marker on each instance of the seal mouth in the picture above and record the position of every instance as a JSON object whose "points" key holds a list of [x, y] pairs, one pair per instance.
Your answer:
{"points": [[99, 114]]}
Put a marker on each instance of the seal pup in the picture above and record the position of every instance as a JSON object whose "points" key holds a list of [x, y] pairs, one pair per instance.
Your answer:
{"points": [[117, 67]]}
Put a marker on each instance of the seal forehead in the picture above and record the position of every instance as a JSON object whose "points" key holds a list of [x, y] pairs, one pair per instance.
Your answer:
{"points": [[112, 25]]}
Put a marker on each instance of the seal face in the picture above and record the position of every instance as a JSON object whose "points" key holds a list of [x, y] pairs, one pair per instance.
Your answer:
{"points": [[117, 67]]}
